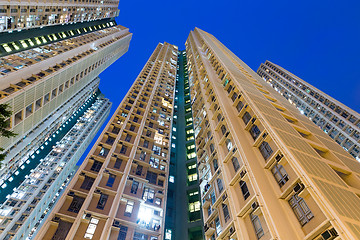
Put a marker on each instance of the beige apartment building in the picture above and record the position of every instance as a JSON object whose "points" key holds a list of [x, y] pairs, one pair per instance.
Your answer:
{"points": [[266, 171], [119, 192]]}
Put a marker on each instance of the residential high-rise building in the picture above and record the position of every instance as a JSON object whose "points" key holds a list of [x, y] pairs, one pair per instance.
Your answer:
{"points": [[266, 171], [51, 53], [119, 192], [337, 120], [201, 140]]}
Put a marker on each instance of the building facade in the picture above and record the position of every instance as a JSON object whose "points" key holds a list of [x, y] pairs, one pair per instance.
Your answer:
{"points": [[119, 192], [201, 140], [266, 171], [334, 118], [51, 53]]}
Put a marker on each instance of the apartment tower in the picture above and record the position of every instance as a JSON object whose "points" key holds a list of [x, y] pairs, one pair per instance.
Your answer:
{"points": [[120, 190], [266, 171], [201, 140], [337, 120], [51, 53]]}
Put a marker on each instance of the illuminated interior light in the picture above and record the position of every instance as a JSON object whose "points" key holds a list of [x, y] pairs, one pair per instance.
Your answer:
{"points": [[7, 48], [37, 40], [23, 43], [43, 39], [31, 42]]}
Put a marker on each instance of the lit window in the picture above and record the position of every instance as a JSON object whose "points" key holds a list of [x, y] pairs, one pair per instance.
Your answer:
{"points": [[7, 48], [194, 207], [172, 179], [23, 43], [192, 177], [91, 228]]}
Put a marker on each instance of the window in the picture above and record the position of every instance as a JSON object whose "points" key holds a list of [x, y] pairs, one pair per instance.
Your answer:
{"points": [[102, 201], [217, 226], [87, 183], [229, 144], [215, 163], [123, 149], [118, 163], [91, 228], [212, 148], [265, 150], [246, 118], [239, 106], [223, 129], [235, 163], [244, 189], [96, 166], [220, 185], [194, 207], [140, 236], [134, 187], [192, 177], [225, 212], [148, 195], [301, 209], [255, 132], [257, 225], [111, 180], [151, 176], [212, 197], [76, 204], [280, 174], [146, 144], [129, 208], [139, 170], [122, 233]]}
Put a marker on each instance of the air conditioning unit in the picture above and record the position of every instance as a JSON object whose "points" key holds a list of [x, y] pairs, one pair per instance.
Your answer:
{"points": [[254, 205], [234, 149], [98, 191], [82, 174], [106, 171], [231, 230], [242, 174], [88, 216], [56, 219], [298, 187], [329, 234], [116, 223], [264, 135], [246, 106], [224, 197], [279, 157], [71, 194], [253, 120]]}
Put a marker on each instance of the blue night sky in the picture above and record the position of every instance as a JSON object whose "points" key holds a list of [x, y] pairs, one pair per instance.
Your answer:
{"points": [[316, 40]]}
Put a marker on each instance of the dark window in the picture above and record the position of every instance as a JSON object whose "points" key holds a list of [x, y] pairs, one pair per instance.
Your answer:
{"points": [[255, 132], [244, 189], [96, 166], [151, 176], [257, 225], [87, 183], [123, 149], [102, 201], [146, 144], [212, 148], [280, 174], [128, 138], [246, 118], [215, 163], [223, 129], [134, 187], [139, 169], [265, 150], [220, 184], [239, 106], [132, 128], [111, 180], [235, 163], [234, 96], [76, 204], [122, 233], [118, 163], [226, 212], [301, 209], [140, 236]]}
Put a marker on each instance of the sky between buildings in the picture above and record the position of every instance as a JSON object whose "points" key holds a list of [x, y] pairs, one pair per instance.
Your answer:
{"points": [[316, 40]]}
